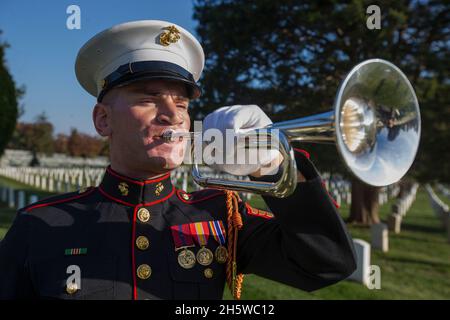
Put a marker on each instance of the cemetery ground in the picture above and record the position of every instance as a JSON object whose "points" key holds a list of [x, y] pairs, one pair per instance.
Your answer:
{"points": [[417, 265]]}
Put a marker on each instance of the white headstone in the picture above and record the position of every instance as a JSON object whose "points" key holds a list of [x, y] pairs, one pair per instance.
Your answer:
{"points": [[33, 198], [349, 198], [362, 272], [380, 237], [395, 223], [21, 199], [185, 181], [44, 183], [51, 184], [403, 208], [88, 181], [80, 181], [11, 200], [37, 181]]}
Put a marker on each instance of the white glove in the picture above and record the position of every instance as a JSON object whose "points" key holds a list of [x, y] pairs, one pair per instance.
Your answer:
{"points": [[240, 119]]}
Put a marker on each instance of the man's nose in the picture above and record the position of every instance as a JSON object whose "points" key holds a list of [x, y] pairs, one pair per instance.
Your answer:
{"points": [[168, 112]]}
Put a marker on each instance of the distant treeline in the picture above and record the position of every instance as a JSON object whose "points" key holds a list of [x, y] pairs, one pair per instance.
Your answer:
{"points": [[39, 137]]}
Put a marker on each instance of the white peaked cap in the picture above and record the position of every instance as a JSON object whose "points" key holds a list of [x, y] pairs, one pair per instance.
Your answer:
{"points": [[139, 50]]}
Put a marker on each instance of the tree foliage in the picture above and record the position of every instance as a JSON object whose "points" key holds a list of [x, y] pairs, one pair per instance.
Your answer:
{"points": [[36, 137], [83, 145], [9, 96], [290, 56]]}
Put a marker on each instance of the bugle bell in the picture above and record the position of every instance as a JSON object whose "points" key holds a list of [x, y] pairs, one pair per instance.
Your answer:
{"points": [[375, 124]]}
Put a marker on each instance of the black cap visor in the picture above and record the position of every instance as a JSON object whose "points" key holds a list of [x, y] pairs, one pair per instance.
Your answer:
{"points": [[150, 70]]}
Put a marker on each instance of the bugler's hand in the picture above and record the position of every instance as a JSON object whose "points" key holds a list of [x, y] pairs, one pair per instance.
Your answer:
{"points": [[239, 119]]}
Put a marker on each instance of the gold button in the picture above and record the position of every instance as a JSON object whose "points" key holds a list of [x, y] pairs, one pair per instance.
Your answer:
{"points": [[144, 271], [142, 242], [185, 196], [71, 288], [208, 273], [143, 215]]}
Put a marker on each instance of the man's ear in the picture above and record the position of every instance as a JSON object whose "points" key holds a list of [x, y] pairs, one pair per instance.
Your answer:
{"points": [[101, 115]]}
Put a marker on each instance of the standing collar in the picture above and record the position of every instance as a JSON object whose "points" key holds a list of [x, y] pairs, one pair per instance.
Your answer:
{"points": [[132, 192]]}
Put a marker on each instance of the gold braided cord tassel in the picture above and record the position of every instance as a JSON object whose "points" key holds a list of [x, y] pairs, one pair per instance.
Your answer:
{"points": [[234, 220]]}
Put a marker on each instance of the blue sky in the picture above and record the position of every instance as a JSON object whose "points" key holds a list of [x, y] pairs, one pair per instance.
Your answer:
{"points": [[43, 50]]}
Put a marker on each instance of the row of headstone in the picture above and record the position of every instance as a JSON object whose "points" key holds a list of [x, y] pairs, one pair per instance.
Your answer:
{"points": [[22, 158], [442, 189], [340, 190], [16, 199], [440, 209], [338, 187], [380, 231], [68, 179], [393, 190], [181, 178], [402, 205], [383, 196], [400, 208], [54, 179], [61, 180]]}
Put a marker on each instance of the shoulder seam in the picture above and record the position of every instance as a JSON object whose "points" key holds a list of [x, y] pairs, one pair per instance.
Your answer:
{"points": [[46, 204]]}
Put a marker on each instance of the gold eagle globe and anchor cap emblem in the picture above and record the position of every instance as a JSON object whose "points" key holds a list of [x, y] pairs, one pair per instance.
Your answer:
{"points": [[170, 35], [123, 188]]}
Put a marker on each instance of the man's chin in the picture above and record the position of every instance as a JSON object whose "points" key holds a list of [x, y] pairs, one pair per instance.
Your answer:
{"points": [[160, 164]]}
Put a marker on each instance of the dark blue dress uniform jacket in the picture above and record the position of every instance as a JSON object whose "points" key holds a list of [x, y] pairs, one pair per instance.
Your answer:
{"points": [[304, 245]]}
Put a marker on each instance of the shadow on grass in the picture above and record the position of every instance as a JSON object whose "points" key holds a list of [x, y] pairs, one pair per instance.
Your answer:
{"points": [[418, 239], [419, 228], [421, 262]]}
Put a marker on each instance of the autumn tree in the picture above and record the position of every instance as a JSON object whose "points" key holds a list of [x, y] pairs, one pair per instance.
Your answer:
{"points": [[84, 145], [36, 137], [61, 143]]}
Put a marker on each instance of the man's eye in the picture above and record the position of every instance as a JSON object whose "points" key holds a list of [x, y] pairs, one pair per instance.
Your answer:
{"points": [[147, 101]]}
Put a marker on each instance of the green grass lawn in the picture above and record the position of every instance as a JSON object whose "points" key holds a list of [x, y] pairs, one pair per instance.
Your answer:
{"points": [[417, 265], [7, 214]]}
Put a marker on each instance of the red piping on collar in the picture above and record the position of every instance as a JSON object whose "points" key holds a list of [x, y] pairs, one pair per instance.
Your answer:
{"points": [[140, 183], [59, 201], [162, 199], [147, 204], [197, 200], [114, 199]]}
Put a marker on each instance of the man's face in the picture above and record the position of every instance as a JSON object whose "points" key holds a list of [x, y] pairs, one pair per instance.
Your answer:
{"points": [[139, 114]]}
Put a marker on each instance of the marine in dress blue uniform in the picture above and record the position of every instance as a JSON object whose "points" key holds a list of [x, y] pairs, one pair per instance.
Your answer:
{"points": [[145, 239]]}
